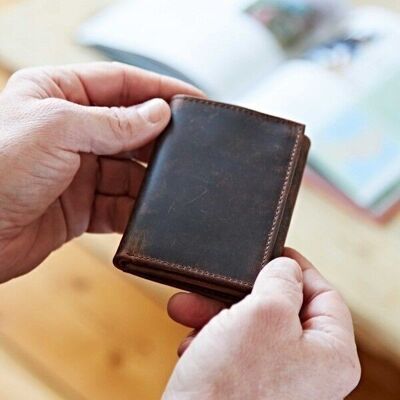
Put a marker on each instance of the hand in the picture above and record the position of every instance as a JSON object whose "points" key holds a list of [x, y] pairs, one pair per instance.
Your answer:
{"points": [[291, 338], [67, 136]]}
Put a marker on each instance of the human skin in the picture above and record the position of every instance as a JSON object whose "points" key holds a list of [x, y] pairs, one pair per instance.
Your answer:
{"points": [[67, 139], [291, 338]]}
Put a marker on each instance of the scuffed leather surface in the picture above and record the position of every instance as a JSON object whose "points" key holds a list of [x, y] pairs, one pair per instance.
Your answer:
{"points": [[217, 199]]}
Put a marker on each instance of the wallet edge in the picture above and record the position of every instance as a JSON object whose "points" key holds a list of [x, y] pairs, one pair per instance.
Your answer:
{"points": [[124, 258], [188, 280], [272, 235]]}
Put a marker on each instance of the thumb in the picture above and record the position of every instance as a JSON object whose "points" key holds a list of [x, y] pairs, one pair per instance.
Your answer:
{"points": [[108, 131], [281, 281]]}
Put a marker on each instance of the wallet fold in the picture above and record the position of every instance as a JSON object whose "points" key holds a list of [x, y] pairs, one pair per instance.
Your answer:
{"points": [[217, 199]]}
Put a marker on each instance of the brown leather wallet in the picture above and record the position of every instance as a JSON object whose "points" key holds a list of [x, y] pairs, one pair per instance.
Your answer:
{"points": [[217, 199]]}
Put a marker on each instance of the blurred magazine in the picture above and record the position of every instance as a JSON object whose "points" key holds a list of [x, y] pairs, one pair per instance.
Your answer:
{"points": [[226, 46], [319, 62], [347, 90], [382, 213]]}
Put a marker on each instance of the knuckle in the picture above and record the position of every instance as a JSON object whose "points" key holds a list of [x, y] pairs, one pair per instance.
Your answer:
{"points": [[54, 111], [31, 73], [338, 298], [121, 124], [33, 81], [22, 74], [51, 120]]}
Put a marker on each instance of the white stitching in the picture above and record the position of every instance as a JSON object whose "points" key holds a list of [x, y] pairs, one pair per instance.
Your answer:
{"points": [[190, 268], [270, 235], [280, 202]]}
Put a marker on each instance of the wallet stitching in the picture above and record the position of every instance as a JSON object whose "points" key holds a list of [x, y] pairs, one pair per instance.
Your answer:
{"points": [[190, 268], [278, 209], [284, 190], [281, 199], [252, 113]]}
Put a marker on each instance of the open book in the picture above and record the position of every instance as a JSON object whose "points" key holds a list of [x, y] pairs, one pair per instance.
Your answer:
{"points": [[222, 46], [319, 62]]}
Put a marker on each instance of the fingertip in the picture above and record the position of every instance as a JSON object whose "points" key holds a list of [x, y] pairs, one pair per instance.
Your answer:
{"points": [[290, 252], [285, 265], [183, 88], [197, 92], [192, 310], [164, 107], [298, 257], [156, 111], [281, 279], [284, 261], [174, 303]]}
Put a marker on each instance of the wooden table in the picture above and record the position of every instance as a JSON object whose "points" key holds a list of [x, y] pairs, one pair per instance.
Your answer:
{"points": [[78, 329]]}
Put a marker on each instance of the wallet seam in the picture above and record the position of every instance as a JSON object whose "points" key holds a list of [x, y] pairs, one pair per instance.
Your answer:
{"points": [[285, 186], [243, 110], [255, 114], [190, 268], [282, 196]]}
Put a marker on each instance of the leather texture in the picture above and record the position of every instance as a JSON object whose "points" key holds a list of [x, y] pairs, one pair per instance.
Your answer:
{"points": [[217, 199]]}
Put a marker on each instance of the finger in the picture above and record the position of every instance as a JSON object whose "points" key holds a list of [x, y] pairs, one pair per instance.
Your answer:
{"points": [[281, 281], [117, 84], [110, 214], [141, 155], [315, 285], [119, 177], [323, 305], [193, 310], [187, 342], [144, 153], [109, 131], [102, 84]]}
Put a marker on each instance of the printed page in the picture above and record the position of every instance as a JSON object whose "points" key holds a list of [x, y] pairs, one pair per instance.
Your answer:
{"points": [[220, 48], [347, 92]]}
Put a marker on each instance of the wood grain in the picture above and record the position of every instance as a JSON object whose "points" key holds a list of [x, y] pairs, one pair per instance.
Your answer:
{"points": [[18, 382], [361, 259], [88, 327], [359, 256], [78, 329], [4, 75]]}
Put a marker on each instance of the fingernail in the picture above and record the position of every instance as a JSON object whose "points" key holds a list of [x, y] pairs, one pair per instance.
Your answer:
{"points": [[154, 111]]}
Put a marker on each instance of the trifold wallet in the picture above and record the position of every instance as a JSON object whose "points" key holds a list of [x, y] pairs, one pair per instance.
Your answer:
{"points": [[217, 199]]}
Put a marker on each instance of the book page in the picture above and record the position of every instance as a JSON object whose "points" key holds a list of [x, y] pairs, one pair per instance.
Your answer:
{"points": [[215, 44], [347, 92]]}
